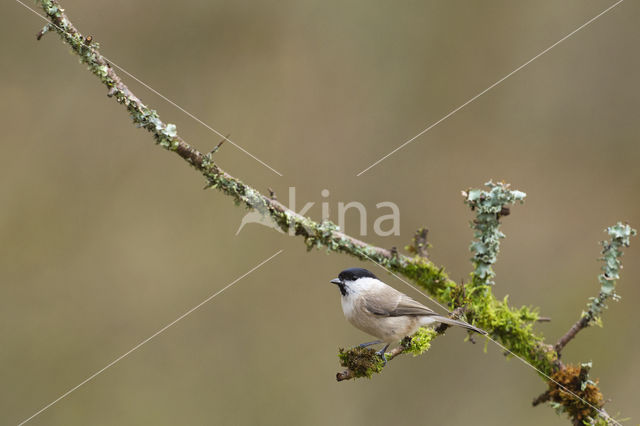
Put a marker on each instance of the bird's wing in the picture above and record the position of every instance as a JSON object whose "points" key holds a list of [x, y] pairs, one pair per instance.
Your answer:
{"points": [[392, 303], [408, 306]]}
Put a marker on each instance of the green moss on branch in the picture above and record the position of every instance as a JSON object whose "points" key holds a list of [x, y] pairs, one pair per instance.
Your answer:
{"points": [[360, 362], [365, 362], [420, 342]]}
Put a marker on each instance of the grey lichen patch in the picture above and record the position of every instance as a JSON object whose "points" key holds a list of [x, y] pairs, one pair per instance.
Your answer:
{"points": [[489, 207]]}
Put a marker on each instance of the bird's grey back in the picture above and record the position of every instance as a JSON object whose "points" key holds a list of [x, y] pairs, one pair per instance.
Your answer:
{"points": [[389, 302]]}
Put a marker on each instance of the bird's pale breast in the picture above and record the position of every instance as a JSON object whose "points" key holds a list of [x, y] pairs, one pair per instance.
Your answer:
{"points": [[386, 328]]}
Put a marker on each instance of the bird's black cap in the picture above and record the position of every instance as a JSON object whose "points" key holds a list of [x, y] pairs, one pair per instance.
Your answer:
{"points": [[353, 274]]}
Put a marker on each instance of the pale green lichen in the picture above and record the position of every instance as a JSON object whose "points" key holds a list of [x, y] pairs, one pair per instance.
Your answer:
{"points": [[170, 130], [611, 257], [489, 207]]}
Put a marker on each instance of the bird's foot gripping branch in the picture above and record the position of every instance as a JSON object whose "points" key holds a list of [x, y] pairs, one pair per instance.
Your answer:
{"points": [[511, 326], [364, 362]]}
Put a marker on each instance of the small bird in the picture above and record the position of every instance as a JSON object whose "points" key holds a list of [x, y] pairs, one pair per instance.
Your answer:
{"points": [[382, 311]]}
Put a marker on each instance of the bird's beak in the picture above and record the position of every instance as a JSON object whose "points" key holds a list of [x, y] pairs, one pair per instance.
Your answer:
{"points": [[336, 281]]}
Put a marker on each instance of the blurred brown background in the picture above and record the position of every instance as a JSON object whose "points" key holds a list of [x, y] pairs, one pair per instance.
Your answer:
{"points": [[106, 238]]}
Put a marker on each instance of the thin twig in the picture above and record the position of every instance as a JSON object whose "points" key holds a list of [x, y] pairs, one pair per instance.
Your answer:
{"points": [[217, 147], [543, 397], [419, 243], [583, 322], [272, 194]]}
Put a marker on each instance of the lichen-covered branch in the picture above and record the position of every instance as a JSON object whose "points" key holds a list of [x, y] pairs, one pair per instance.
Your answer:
{"points": [[489, 207], [324, 234], [611, 253], [513, 327]]}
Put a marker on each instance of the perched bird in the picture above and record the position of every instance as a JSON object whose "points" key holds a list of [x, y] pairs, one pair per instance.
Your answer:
{"points": [[382, 311]]}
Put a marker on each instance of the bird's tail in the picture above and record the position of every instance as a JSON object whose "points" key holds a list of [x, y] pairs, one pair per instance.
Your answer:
{"points": [[450, 321]]}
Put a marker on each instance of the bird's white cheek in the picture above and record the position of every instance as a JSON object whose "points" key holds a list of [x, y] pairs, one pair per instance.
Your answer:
{"points": [[347, 306]]}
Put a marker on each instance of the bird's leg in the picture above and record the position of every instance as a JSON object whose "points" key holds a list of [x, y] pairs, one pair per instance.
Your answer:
{"points": [[382, 353], [364, 345]]}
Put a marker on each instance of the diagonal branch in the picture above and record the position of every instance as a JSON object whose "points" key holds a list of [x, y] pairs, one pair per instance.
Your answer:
{"points": [[315, 234]]}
